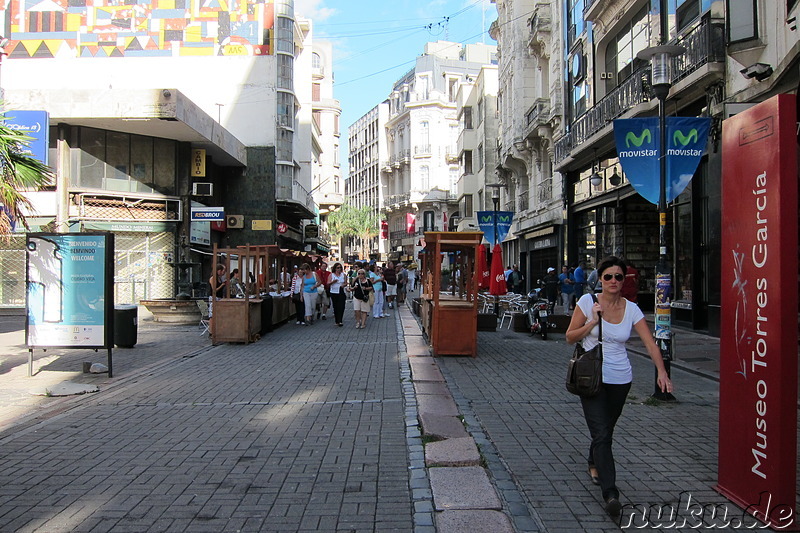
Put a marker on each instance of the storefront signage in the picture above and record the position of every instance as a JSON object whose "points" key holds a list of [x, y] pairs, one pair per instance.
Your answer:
{"points": [[486, 223], [282, 227], [200, 232], [547, 242], [261, 225], [36, 125], [311, 231], [758, 341], [68, 290], [208, 213], [142, 227], [638, 147], [198, 163]]}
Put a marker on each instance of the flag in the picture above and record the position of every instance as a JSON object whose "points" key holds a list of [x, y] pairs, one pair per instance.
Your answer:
{"points": [[411, 222]]}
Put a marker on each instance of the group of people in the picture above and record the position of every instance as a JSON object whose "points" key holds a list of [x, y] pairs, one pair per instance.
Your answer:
{"points": [[572, 283], [373, 288]]}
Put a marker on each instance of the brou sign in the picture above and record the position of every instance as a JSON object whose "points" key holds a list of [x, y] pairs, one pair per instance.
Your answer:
{"points": [[758, 341]]}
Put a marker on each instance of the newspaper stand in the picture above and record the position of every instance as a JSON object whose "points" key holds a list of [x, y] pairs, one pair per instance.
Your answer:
{"points": [[450, 313], [237, 319]]}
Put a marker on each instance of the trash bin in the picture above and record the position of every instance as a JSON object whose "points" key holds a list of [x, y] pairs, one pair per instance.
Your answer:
{"points": [[125, 321]]}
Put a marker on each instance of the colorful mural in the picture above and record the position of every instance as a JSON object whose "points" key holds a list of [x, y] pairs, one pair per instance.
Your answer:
{"points": [[138, 28]]}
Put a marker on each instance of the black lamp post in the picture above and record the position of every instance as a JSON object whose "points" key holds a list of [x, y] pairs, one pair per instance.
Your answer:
{"points": [[659, 57], [496, 203]]}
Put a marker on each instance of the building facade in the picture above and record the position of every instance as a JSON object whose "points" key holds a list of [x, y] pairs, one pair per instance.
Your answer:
{"points": [[734, 57], [150, 112], [422, 165]]}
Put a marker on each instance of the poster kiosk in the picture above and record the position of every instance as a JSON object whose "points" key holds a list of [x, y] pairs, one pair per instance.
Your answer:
{"points": [[449, 304]]}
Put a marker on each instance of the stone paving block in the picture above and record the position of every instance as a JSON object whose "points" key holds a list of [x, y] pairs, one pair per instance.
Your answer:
{"points": [[425, 387], [452, 452], [423, 371], [417, 346], [442, 427], [466, 487], [437, 405], [461, 521]]}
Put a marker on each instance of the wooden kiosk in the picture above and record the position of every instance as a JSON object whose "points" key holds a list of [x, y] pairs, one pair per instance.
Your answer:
{"points": [[449, 306], [236, 318]]}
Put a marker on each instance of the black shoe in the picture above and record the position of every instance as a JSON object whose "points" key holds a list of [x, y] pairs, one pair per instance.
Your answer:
{"points": [[613, 507]]}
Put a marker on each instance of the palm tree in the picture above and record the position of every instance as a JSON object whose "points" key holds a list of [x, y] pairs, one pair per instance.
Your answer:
{"points": [[351, 221], [19, 172]]}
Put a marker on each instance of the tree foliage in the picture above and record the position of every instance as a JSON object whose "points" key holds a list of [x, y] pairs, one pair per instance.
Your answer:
{"points": [[351, 221], [19, 172]]}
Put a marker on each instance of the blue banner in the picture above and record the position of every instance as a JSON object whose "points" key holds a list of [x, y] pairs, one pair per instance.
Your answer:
{"points": [[36, 125], [486, 223], [638, 149]]}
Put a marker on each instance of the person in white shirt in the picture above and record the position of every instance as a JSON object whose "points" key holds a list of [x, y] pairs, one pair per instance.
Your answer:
{"points": [[337, 281], [619, 316]]}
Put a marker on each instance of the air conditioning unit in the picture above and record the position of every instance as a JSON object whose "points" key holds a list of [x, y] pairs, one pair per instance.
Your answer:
{"points": [[234, 221], [202, 189]]}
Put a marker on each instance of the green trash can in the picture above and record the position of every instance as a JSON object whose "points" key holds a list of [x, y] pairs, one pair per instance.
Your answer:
{"points": [[125, 322]]}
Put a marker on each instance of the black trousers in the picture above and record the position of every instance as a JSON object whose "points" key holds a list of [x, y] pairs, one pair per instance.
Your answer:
{"points": [[300, 311], [601, 413], [337, 302]]}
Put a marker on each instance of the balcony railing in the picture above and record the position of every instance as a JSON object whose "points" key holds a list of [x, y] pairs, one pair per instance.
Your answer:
{"points": [[538, 114], [704, 44], [545, 191], [396, 199], [422, 149], [523, 200]]}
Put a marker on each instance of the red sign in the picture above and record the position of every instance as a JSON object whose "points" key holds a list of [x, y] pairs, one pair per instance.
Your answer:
{"points": [[758, 341], [282, 228]]}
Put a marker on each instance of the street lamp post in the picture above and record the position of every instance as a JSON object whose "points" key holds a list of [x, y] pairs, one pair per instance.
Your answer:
{"points": [[659, 57], [496, 203]]}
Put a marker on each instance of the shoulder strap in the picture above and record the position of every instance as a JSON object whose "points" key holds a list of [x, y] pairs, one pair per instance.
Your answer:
{"points": [[600, 323]]}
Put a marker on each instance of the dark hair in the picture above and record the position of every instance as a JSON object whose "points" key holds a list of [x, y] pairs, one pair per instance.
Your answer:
{"points": [[610, 261], [337, 265]]}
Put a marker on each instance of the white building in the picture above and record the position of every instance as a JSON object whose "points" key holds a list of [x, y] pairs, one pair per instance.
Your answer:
{"points": [[420, 170], [145, 102], [530, 102], [366, 143]]}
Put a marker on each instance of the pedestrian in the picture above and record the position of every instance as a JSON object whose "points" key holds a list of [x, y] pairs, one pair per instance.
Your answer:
{"points": [[309, 294], [566, 286], [593, 281], [402, 278], [297, 295], [550, 284], [515, 280], [412, 278], [284, 280], [336, 285], [376, 277], [361, 287], [390, 276], [580, 279], [630, 287], [602, 411], [323, 302], [217, 283]]}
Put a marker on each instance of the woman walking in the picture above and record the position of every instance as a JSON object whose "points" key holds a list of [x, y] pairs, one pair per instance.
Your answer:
{"points": [[310, 294], [361, 288], [619, 316], [297, 296], [376, 277], [337, 282]]}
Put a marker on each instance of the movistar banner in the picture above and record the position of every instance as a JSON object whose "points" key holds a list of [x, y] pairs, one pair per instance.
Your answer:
{"points": [[486, 224], [638, 148]]}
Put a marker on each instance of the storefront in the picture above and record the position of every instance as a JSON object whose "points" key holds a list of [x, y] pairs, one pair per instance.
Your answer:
{"points": [[543, 246]]}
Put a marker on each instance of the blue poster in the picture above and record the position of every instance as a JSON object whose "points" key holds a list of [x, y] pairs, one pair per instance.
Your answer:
{"points": [[486, 223], [66, 290], [638, 149], [36, 125]]}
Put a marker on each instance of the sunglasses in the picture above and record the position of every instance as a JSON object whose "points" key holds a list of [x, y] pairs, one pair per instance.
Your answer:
{"points": [[618, 277]]}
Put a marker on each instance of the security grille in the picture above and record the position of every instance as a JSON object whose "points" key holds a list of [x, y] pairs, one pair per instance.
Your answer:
{"points": [[12, 272]]}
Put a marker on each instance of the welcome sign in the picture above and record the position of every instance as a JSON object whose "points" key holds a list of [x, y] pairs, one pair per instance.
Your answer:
{"points": [[486, 223], [638, 142]]}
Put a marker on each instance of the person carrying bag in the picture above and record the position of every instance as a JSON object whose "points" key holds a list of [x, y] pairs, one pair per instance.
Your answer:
{"points": [[585, 369], [615, 316]]}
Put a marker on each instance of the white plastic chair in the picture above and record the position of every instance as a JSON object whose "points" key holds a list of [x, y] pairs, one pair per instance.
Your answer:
{"points": [[203, 306]]}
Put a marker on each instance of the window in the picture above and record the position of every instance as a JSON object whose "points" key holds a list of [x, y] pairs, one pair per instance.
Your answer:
{"points": [[316, 89], [467, 161], [480, 156], [424, 178], [285, 71], [621, 59], [285, 109], [467, 117], [466, 205], [575, 23], [427, 220], [690, 10], [452, 89], [316, 60], [742, 20], [479, 118]]}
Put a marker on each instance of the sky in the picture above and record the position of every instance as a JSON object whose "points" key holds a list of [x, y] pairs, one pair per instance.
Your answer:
{"points": [[376, 41]]}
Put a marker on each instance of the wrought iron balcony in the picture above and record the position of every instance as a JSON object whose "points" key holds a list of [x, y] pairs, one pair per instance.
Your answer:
{"points": [[523, 200], [545, 191], [422, 149], [705, 44]]}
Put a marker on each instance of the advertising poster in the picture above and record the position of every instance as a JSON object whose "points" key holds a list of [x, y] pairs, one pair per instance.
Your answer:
{"points": [[758, 338], [67, 296]]}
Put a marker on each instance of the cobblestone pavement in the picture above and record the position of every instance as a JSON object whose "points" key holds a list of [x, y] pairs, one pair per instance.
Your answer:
{"points": [[302, 431]]}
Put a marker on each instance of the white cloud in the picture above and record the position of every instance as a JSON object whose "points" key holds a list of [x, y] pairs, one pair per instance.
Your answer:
{"points": [[313, 9]]}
